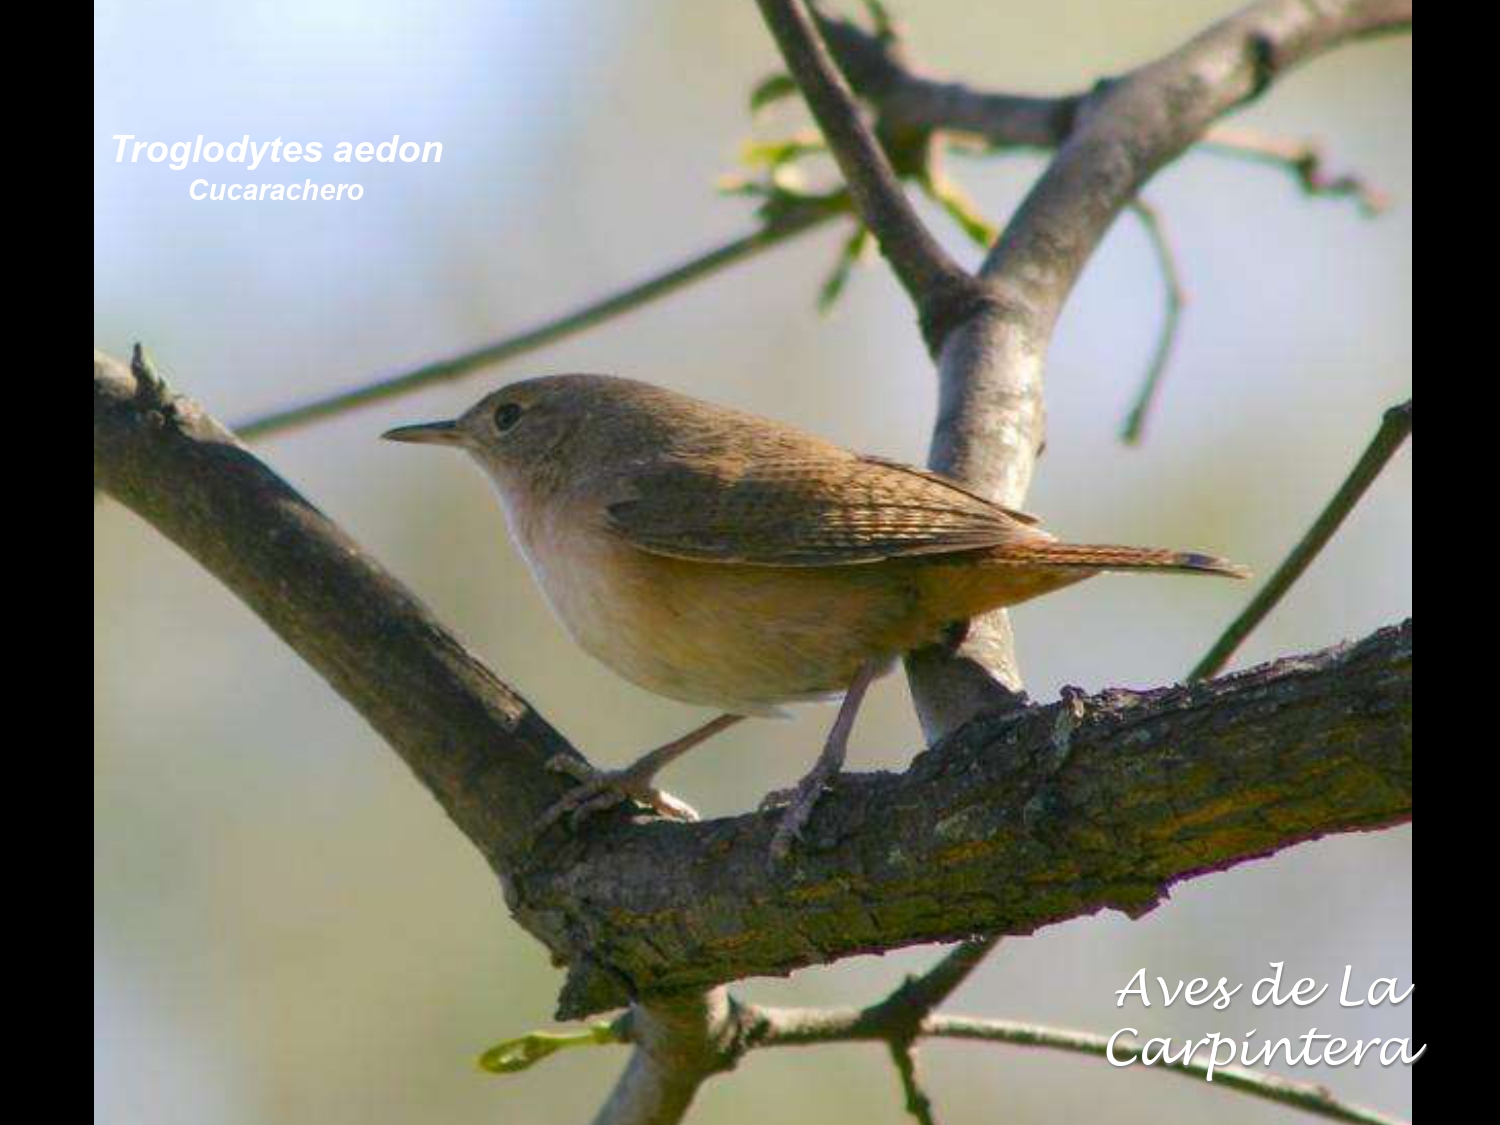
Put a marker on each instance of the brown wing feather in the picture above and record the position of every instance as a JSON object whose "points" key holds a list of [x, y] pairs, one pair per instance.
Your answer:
{"points": [[808, 511], [952, 485]]}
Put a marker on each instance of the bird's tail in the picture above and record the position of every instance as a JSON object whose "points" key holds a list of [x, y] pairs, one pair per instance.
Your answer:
{"points": [[1097, 557]]}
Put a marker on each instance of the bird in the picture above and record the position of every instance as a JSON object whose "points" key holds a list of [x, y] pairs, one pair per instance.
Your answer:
{"points": [[727, 560]]}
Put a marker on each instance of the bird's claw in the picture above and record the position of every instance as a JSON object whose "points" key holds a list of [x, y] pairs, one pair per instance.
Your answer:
{"points": [[799, 803], [602, 789]]}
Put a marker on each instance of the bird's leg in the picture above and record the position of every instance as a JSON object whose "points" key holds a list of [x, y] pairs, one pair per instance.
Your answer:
{"points": [[601, 789], [825, 769]]}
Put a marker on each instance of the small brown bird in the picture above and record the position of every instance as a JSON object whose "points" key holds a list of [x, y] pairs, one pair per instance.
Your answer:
{"points": [[724, 559]]}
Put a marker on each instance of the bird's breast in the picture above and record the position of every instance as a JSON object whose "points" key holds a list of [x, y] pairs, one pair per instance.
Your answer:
{"points": [[736, 637]]}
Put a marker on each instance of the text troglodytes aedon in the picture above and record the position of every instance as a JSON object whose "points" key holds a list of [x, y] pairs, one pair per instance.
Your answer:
{"points": [[724, 559]]}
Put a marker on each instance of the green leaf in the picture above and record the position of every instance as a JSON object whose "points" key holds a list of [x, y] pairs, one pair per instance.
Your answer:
{"points": [[769, 90], [854, 249], [732, 183], [777, 153], [781, 204], [519, 1054], [961, 209]]}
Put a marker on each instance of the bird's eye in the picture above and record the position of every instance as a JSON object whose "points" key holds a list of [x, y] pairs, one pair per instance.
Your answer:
{"points": [[507, 414]]}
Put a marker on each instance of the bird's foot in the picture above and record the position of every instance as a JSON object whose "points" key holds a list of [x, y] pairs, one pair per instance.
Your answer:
{"points": [[602, 789], [799, 803]]}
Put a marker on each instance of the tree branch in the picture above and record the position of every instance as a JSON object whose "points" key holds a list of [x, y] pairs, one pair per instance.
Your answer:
{"points": [[678, 1045], [1017, 821], [475, 744], [903, 1012], [1395, 428], [900, 1022], [989, 428], [800, 1027], [906, 100], [607, 308], [937, 285], [1303, 159], [1132, 127], [1174, 297], [910, 100]]}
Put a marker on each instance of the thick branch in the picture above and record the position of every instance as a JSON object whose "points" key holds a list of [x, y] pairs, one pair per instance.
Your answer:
{"points": [[1017, 821], [989, 427], [473, 742], [1135, 125]]}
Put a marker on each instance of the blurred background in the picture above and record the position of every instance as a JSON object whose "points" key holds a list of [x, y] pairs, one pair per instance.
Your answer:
{"points": [[287, 928]]}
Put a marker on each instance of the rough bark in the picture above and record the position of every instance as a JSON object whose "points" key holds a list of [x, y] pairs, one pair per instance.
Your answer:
{"points": [[1018, 820]]}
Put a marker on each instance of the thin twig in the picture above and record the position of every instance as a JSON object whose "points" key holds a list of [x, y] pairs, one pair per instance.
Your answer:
{"points": [[922, 265], [549, 332], [1307, 1096], [1175, 298], [1395, 427], [919, 996], [918, 1104], [904, 1010], [1005, 124], [800, 1027], [1303, 159]]}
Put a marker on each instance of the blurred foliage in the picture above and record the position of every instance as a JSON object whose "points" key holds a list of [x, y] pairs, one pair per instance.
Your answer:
{"points": [[775, 175]]}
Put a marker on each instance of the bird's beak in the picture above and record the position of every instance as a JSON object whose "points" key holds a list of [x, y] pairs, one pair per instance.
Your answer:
{"points": [[427, 433]]}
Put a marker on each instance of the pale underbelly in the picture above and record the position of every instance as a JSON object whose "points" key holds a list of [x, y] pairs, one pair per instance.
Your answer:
{"points": [[741, 639]]}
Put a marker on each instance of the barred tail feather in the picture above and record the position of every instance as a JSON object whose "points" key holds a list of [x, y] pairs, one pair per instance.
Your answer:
{"points": [[1100, 557]]}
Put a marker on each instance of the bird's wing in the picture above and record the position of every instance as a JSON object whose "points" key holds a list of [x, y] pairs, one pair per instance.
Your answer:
{"points": [[819, 511]]}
